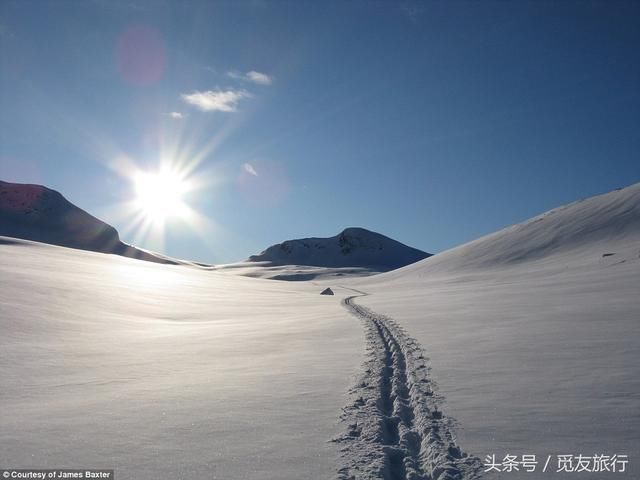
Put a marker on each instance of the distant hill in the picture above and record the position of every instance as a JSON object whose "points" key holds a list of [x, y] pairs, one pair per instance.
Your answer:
{"points": [[353, 247], [37, 213], [604, 229]]}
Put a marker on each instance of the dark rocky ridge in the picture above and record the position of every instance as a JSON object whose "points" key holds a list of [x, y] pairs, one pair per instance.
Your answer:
{"points": [[37, 213], [353, 247]]}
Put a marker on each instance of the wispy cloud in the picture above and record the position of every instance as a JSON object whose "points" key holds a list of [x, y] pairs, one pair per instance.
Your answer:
{"points": [[176, 115], [252, 76], [259, 78], [216, 100], [247, 167]]}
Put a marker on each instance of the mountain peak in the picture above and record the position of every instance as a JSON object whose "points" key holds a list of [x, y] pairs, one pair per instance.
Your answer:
{"points": [[356, 231], [353, 247]]}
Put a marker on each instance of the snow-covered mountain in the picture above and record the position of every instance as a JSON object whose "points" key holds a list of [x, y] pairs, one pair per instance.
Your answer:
{"points": [[353, 247], [601, 229], [34, 212]]}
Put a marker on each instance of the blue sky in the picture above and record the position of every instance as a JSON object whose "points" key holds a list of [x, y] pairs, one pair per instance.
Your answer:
{"points": [[431, 122]]}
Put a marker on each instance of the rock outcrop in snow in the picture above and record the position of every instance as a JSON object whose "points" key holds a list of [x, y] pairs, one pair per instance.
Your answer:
{"points": [[34, 212], [353, 247]]}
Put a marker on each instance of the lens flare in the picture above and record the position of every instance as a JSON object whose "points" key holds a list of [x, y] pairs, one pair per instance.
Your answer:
{"points": [[141, 55], [160, 194]]}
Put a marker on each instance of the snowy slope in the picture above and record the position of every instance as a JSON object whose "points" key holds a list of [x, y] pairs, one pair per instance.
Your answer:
{"points": [[582, 232], [168, 373], [34, 212], [353, 247], [300, 273], [533, 332]]}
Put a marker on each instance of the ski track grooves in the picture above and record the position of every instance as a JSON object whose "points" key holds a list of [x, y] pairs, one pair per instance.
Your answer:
{"points": [[395, 430]]}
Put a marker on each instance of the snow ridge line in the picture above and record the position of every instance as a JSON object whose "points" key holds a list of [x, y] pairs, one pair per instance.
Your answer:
{"points": [[395, 430]]}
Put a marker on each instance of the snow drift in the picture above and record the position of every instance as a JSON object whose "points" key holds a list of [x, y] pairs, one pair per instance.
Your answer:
{"points": [[34, 212], [353, 247], [167, 373]]}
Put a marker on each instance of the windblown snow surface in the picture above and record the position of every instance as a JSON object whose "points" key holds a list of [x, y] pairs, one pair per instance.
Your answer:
{"points": [[167, 372], [533, 334], [523, 342], [292, 273]]}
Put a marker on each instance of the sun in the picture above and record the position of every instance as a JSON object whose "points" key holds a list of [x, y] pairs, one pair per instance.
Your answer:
{"points": [[160, 195]]}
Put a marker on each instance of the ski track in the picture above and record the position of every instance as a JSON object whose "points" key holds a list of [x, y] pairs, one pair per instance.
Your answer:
{"points": [[394, 428]]}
